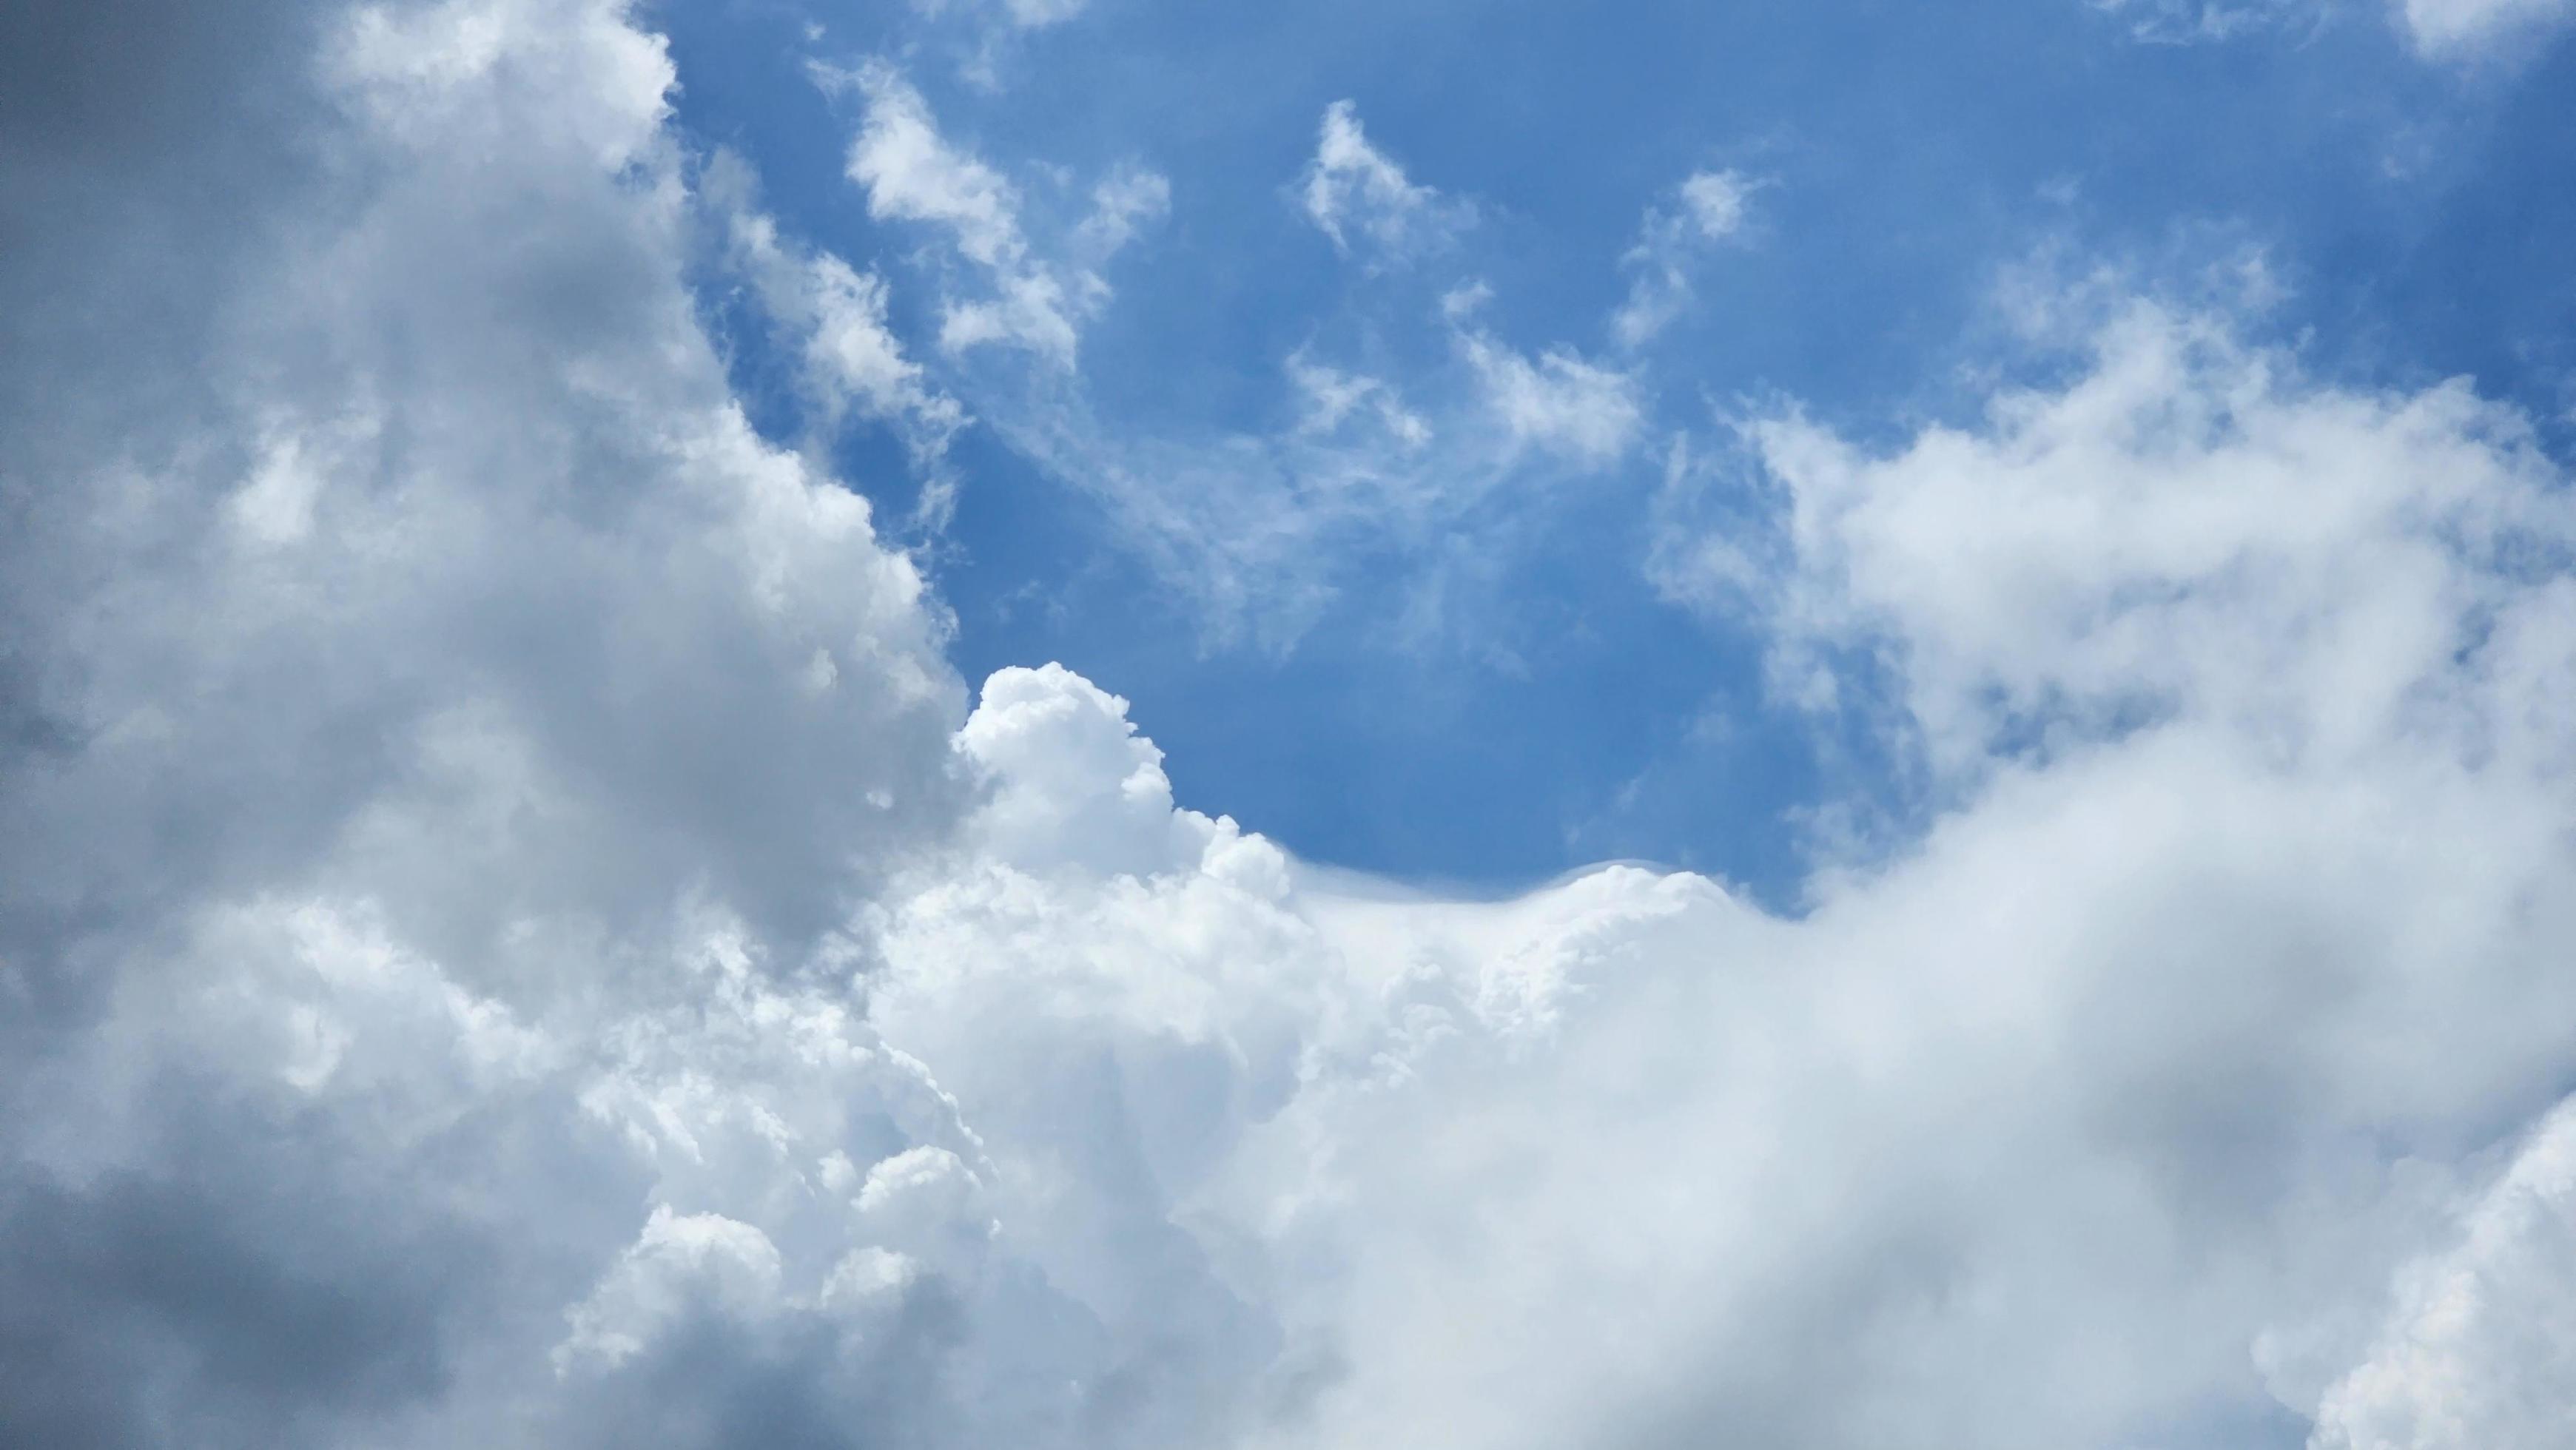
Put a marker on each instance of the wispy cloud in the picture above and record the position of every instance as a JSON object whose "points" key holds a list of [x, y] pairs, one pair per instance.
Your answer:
{"points": [[2471, 29], [1708, 208], [834, 317], [1556, 400], [1018, 14], [1352, 189], [1030, 300]]}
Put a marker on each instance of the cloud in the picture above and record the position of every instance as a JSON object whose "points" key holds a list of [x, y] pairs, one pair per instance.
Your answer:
{"points": [[833, 315], [1018, 14], [2444, 30], [2456, 28], [2136, 1023], [1707, 208], [1257, 527], [1036, 303], [1334, 399], [2191, 529], [2475, 1348], [985, 38], [412, 640], [1245, 522], [2341, 601], [512, 934], [1557, 401], [1352, 187], [1121, 204], [911, 173], [2194, 22]]}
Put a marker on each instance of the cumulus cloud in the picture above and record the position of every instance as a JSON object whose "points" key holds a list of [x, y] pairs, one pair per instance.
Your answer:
{"points": [[1353, 188], [2094, 1085], [2189, 530], [2475, 1347], [415, 648], [513, 935]]}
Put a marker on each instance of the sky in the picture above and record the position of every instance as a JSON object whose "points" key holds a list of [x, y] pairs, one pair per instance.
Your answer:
{"points": [[1887, 171], [1083, 723]]}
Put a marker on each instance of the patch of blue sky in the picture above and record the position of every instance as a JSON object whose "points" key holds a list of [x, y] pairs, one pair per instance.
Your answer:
{"points": [[1487, 688]]}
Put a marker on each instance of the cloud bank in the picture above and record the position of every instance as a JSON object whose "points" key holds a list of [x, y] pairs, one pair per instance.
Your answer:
{"points": [[513, 935]]}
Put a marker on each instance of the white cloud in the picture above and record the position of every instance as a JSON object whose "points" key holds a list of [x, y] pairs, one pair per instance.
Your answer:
{"points": [[677, 1264], [2477, 1347], [2087, 1087], [1559, 401], [1713, 202], [1034, 302], [1707, 208], [836, 317], [1252, 525], [1352, 187], [1333, 400], [409, 68], [1121, 204], [473, 979], [910, 172], [984, 37], [1030, 310], [426, 654], [2454, 28], [2447, 30], [2192, 22], [2189, 530], [1245, 521], [1019, 14]]}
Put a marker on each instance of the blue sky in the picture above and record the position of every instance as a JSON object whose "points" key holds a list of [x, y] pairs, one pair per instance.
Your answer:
{"points": [[1907, 162]]}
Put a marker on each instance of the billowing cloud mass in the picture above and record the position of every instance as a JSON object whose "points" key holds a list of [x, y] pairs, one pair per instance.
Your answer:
{"points": [[512, 933], [2475, 1347]]}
